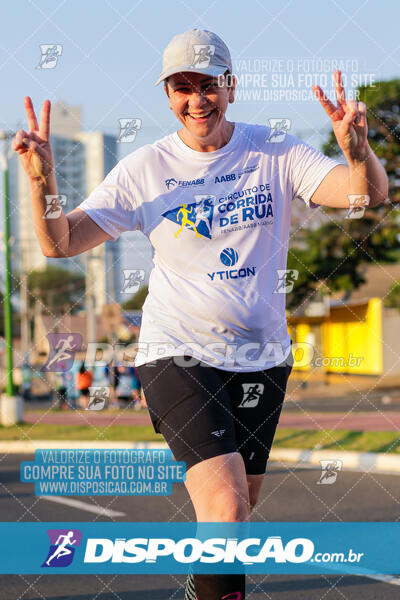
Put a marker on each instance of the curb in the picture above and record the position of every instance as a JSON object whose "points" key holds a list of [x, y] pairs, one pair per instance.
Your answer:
{"points": [[29, 447], [374, 462]]}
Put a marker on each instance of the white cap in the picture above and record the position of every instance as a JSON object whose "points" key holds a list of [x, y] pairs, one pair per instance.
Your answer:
{"points": [[198, 51]]}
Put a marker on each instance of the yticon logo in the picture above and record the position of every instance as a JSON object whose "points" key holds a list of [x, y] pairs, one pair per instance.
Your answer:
{"points": [[189, 550], [229, 257], [62, 547]]}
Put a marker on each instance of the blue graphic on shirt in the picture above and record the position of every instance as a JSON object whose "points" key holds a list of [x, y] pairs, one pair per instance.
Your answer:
{"points": [[196, 217], [229, 257]]}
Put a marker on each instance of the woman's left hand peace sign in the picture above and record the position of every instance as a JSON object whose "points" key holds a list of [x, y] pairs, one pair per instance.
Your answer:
{"points": [[349, 121]]}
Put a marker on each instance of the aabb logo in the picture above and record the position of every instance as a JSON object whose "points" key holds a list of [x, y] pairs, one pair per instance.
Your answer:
{"points": [[62, 547], [224, 178]]}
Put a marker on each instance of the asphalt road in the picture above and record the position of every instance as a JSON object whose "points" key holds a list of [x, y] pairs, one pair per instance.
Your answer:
{"points": [[288, 494]]}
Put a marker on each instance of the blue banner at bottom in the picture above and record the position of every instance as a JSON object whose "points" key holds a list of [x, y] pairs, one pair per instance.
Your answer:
{"points": [[165, 548]]}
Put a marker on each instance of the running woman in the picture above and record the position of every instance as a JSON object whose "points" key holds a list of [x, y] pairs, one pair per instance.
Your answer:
{"points": [[214, 351]]}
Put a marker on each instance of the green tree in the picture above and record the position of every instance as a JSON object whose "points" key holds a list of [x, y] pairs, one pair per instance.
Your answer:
{"points": [[392, 300], [333, 257], [137, 300], [15, 317], [383, 112], [376, 234], [330, 262], [59, 290]]}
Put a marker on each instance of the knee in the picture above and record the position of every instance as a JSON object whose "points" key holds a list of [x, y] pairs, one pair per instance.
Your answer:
{"points": [[231, 510]]}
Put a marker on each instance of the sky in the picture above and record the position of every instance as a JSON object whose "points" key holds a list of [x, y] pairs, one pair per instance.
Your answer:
{"points": [[111, 53]]}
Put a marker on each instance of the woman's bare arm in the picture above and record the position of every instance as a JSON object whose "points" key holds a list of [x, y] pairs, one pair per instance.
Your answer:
{"points": [[65, 235], [84, 233]]}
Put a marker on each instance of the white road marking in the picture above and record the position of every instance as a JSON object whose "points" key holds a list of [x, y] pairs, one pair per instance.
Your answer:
{"points": [[360, 572], [93, 508], [301, 465], [385, 578]]}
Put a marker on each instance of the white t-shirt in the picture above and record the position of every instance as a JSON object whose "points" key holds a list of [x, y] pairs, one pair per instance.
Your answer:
{"points": [[219, 225]]}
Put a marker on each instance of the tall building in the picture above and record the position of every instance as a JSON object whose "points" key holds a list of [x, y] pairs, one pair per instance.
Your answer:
{"points": [[82, 160]]}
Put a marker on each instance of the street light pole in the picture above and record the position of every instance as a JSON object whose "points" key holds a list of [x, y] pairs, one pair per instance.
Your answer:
{"points": [[7, 292], [11, 405], [90, 297], [25, 322]]}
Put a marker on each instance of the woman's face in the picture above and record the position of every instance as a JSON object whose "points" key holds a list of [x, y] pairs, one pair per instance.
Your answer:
{"points": [[199, 103]]}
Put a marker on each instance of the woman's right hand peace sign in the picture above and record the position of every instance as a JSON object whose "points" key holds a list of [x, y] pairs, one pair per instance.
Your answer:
{"points": [[34, 148]]}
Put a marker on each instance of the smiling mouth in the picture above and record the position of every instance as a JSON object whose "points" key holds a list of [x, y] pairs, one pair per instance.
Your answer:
{"points": [[201, 117]]}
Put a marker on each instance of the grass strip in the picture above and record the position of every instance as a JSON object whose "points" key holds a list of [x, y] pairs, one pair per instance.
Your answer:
{"points": [[359, 441]]}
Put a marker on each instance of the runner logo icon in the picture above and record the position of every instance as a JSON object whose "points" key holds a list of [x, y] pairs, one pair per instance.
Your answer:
{"points": [[252, 393], [202, 55], [62, 351], [133, 278], [62, 547], [98, 396], [286, 279], [329, 471]]}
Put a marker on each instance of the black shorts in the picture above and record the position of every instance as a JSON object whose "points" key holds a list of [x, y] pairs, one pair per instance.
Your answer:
{"points": [[204, 412]]}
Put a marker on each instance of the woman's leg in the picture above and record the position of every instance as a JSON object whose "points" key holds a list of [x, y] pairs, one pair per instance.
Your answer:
{"points": [[254, 483], [255, 430], [191, 407], [219, 492], [218, 489]]}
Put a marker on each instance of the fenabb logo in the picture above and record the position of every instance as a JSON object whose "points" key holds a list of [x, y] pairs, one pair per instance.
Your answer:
{"points": [[172, 183], [190, 550], [229, 257]]}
